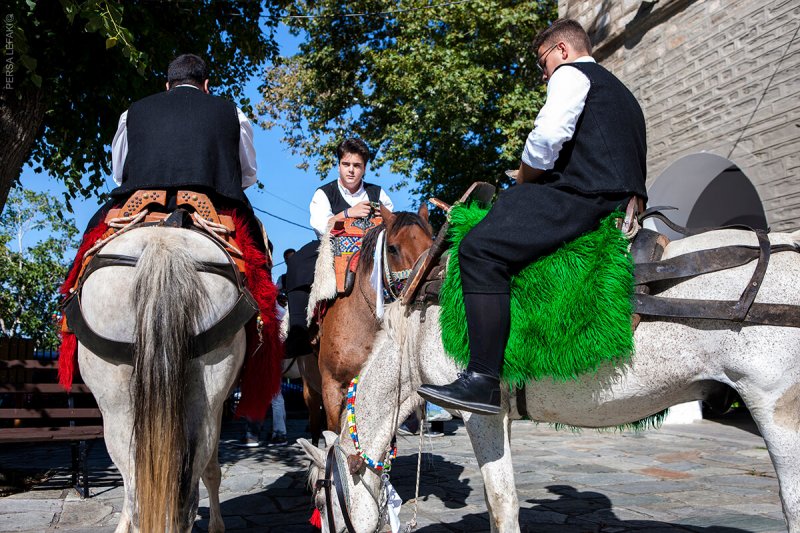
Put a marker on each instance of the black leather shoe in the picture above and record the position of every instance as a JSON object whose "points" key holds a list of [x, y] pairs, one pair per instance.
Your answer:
{"points": [[472, 391]]}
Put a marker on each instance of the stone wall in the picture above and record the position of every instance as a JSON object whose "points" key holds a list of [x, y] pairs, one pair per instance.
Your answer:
{"points": [[718, 76]]}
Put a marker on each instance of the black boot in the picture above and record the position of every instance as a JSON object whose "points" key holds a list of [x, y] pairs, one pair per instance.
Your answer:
{"points": [[472, 391]]}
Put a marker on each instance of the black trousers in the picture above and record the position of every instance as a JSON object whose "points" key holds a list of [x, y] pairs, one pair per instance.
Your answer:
{"points": [[527, 222], [299, 278]]}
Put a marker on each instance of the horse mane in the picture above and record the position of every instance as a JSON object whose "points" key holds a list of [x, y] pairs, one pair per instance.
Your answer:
{"points": [[401, 219]]}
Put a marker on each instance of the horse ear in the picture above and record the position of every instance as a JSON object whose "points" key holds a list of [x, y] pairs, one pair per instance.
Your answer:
{"points": [[316, 455], [387, 216], [423, 212], [355, 463]]}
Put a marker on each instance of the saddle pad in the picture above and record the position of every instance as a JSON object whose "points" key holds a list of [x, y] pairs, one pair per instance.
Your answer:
{"points": [[570, 311], [346, 240]]}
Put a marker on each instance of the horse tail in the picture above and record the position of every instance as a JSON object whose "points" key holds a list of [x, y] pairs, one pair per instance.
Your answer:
{"points": [[168, 300]]}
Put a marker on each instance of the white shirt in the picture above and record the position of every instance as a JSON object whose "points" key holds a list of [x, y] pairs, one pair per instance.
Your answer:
{"points": [[555, 124], [247, 152], [321, 207]]}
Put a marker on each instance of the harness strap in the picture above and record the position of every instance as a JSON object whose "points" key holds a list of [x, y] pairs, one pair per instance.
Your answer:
{"points": [[758, 313], [337, 481], [106, 260], [700, 262], [243, 310]]}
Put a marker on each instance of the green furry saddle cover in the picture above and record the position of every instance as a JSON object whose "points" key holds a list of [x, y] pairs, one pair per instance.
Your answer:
{"points": [[570, 310]]}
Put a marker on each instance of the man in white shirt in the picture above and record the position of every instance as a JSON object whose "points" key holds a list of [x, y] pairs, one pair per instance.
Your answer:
{"points": [[347, 196], [585, 157]]}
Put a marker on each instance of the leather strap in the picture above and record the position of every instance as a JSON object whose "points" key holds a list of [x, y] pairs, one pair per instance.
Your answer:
{"points": [[107, 260], [122, 352], [243, 310], [758, 313], [138, 201], [200, 202], [700, 262], [479, 192], [337, 482]]}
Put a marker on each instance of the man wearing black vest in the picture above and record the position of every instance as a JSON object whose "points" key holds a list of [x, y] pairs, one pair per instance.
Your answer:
{"points": [[185, 138], [347, 196], [585, 157]]}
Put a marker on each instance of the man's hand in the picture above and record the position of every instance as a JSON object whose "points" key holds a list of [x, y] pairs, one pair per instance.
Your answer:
{"points": [[360, 210]]}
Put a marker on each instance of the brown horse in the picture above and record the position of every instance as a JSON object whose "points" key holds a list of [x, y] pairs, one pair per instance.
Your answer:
{"points": [[347, 333]]}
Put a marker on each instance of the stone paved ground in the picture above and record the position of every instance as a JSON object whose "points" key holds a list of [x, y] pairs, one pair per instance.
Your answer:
{"points": [[704, 477]]}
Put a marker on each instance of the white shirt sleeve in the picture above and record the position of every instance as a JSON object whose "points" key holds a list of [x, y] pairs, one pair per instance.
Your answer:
{"points": [[385, 200], [119, 149], [247, 152], [555, 123], [320, 212]]}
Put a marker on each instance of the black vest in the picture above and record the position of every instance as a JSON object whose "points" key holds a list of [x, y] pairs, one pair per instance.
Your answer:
{"points": [[339, 204], [608, 152], [183, 138]]}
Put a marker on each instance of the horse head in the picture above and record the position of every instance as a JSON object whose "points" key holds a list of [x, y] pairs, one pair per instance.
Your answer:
{"points": [[405, 237], [346, 491]]}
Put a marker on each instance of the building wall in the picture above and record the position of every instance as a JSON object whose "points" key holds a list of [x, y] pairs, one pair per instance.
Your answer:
{"points": [[721, 76]]}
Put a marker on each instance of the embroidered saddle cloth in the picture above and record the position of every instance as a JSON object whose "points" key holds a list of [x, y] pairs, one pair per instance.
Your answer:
{"points": [[346, 237], [570, 311]]}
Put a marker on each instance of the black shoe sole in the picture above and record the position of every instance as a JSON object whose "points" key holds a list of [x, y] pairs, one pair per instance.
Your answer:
{"points": [[450, 403]]}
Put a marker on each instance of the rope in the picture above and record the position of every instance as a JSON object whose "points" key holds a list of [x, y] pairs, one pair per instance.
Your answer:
{"points": [[125, 223], [411, 525], [215, 230]]}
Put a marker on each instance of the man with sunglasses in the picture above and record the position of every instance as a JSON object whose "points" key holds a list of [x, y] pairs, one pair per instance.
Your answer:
{"points": [[585, 157]]}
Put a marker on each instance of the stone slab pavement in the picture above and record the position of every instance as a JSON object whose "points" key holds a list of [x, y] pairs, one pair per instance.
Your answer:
{"points": [[703, 477]]}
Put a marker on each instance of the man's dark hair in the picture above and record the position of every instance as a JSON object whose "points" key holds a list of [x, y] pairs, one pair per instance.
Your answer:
{"points": [[567, 30], [289, 252], [353, 146], [187, 68]]}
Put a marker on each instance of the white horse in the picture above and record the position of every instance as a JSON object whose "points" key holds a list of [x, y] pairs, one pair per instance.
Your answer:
{"points": [[675, 361], [162, 413]]}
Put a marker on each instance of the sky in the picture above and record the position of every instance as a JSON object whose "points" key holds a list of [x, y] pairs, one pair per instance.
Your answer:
{"points": [[287, 190]]}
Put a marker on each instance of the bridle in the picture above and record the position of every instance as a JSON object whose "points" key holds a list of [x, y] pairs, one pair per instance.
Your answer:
{"points": [[333, 479], [394, 281]]}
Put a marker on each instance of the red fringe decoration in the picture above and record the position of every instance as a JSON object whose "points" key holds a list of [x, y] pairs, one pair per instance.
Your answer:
{"points": [[68, 351], [316, 519], [260, 378]]}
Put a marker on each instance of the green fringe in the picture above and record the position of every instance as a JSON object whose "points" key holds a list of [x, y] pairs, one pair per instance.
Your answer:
{"points": [[651, 422], [570, 311]]}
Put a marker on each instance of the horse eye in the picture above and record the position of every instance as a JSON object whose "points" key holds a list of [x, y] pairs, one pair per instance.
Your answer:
{"points": [[392, 249]]}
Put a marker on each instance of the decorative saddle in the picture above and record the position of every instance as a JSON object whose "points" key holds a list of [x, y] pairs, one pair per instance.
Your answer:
{"points": [[346, 237]]}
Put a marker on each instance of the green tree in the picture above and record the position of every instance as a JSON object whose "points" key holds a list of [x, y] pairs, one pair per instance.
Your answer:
{"points": [[77, 64], [445, 94], [30, 275]]}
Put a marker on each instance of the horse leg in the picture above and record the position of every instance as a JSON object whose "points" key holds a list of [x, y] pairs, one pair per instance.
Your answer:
{"points": [[212, 478], [490, 441], [333, 400], [776, 417], [313, 401]]}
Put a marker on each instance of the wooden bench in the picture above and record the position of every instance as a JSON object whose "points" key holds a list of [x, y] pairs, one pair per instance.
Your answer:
{"points": [[35, 408]]}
